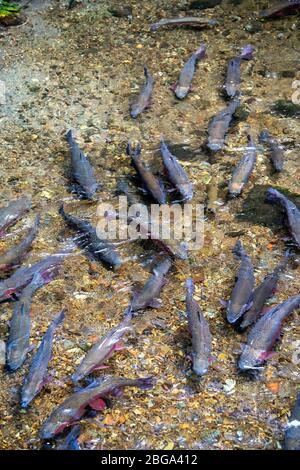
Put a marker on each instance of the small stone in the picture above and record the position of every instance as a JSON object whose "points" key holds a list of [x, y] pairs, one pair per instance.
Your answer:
{"points": [[68, 344], [253, 27], [229, 386]]}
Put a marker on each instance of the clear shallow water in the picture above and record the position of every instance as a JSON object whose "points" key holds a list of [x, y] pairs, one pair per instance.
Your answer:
{"points": [[81, 69]]}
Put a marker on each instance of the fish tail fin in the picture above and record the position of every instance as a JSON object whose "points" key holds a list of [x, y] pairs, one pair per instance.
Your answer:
{"points": [[128, 313], [134, 153], [247, 52], [238, 249], [69, 136], [145, 382], [190, 285], [201, 52], [162, 141], [272, 195]]}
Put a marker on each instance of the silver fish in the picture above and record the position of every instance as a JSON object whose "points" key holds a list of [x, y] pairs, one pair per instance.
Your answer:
{"points": [[144, 98], [14, 255], [36, 377], [201, 336], [103, 349], [192, 21], [74, 407], [19, 333], [12, 212], [81, 170], [220, 124], [176, 173], [264, 334], [243, 170], [187, 73], [292, 212], [241, 296], [149, 295]]}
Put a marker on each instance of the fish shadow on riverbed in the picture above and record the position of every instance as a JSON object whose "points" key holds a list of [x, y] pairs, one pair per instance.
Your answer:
{"points": [[183, 340], [256, 210]]}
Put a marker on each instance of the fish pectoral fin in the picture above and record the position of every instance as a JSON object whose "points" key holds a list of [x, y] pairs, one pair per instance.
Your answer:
{"points": [[119, 346], [118, 392], [155, 303], [101, 367], [171, 190], [97, 404], [267, 355], [173, 87], [46, 380], [224, 303], [247, 306]]}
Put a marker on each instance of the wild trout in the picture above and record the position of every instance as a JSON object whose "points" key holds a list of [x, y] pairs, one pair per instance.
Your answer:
{"points": [[149, 295], [176, 173], [264, 334], [153, 186], [241, 296], [37, 375], [19, 333], [191, 21], [144, 99], [74, 407], [262, 293], [292, 212], [12, 212], [233, 75], [85, 184], [47, 268], [103, 349], [14, 255], [276, 150], [99, 249], [243, 170], [219, 125], [201, 336], [186, 75]]}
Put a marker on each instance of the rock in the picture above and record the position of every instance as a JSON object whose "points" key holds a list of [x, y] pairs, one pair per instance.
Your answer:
{"points": [[68, 344], [121, 12], [286, 108], [288, 74], [202, 5], [253, 27]]}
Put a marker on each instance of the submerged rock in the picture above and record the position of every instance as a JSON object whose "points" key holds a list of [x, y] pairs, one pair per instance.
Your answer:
{"points": [[256, 210], [202, 5], [286, 108]]}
